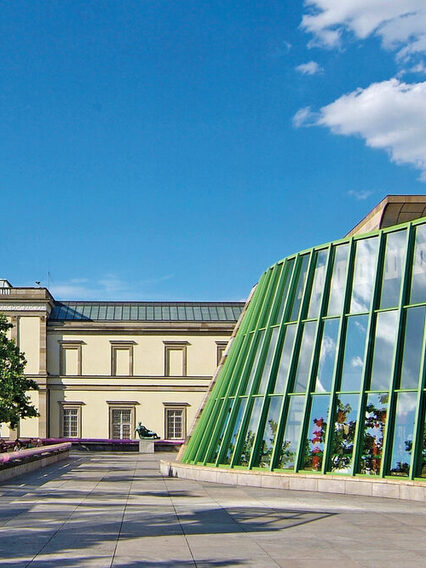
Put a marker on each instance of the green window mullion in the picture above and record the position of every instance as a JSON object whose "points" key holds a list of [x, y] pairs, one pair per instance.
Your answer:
{"points": [[240, 364], [299, 330], [254, 305], [292, 290], [317, 339], [269, 295], [340, 352], [368, 359], [260, 301], [290, 272], [296, 343], [418, 432], [285, 404], [247, 364], [284, 276], [273, 370], [404, 294], [316, 351], [197, 441]]}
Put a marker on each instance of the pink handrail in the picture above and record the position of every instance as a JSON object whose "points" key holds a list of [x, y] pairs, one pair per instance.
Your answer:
{"points": [[19, 454]]}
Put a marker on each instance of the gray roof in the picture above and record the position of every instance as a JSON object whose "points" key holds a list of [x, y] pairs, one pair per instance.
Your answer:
{"points": [[146, 311]]}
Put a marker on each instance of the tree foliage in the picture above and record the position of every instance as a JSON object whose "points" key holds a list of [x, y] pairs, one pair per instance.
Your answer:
{"points": [[14, 400]]}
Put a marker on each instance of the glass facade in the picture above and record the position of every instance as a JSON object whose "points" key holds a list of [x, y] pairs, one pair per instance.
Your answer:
{"points": [[326, 372]]}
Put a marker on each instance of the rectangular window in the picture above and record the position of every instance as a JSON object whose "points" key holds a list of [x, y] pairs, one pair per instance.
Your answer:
{"points": [[363, 281], [71, 420], [345, 422], [374, 427], [403, 434], [122, 420], [121, 423], [353, 363], [338, 279], [418, 281], [384, 344], [318, 284], [175, 358], [122, 358], [288, 449], [175, 422], [70, 423], [393, 269], [70, 358], [313, 450], [305, 356], [299, 285], [220, 350]]}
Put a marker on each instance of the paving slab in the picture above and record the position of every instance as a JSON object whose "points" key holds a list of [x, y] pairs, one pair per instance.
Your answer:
{"points": [[107, 510]]}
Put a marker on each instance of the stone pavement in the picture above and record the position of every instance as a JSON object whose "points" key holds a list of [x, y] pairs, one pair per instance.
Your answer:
{"points": [[109, 510]]}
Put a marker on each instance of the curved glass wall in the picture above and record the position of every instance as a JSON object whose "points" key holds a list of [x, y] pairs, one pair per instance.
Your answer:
{"points": [[326, 372]]}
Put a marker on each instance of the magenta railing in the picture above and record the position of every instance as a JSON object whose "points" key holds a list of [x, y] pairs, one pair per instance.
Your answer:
{"points": [[31, 452]]}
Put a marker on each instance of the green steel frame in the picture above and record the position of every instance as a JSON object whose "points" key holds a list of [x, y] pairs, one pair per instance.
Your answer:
{"points": [[282, 299]]}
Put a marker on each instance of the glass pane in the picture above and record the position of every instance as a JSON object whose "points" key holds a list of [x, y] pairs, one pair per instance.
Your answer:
{"points": [[235, 431], [384, 345], [363, 282], [242, 366], [268, 363], [327, 356], [286, 276], [393, 269], [418, 282], [353, 363], [374, 426], [413, 341], [313, 449], [403, 434], [300, 285], [282, 374], [288, 450], [269, 434], [225, 420], [267, 302], [247, 446], [346, 417], [305, 356], [423, 450], [318, 284], [338, 280], [255, 361]]}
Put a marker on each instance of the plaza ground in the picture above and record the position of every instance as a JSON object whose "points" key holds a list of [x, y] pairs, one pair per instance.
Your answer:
{"points": [[103, 510]]}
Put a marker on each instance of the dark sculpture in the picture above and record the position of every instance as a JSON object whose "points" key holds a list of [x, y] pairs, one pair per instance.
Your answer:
{"points": [[143, 432]]}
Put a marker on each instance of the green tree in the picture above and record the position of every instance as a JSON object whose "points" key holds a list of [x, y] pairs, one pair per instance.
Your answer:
{"points": [[14, 400]]}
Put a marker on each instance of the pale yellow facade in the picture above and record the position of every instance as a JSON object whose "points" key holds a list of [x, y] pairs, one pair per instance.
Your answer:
{"points": [[99, 378]]}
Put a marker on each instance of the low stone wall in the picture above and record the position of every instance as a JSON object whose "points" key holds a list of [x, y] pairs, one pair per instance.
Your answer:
{"points": [[392, 488], [17, 463], [111, 445]]}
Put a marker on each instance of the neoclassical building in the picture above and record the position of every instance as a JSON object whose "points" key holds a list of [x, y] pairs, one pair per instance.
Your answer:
{"points": [[104, 366]]}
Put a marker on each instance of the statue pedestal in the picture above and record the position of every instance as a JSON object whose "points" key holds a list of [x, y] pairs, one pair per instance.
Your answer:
{"points": [[146, 446]]}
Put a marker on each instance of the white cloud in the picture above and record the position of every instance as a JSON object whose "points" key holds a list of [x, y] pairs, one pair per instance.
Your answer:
{"points": [[390, 115], [401, 24], [304, 117], [109, 287], [360, 195], [310, 68], [357, 361]]}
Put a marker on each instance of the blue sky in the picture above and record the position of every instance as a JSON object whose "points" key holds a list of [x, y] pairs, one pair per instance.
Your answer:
{"points": [[172, 150]]}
